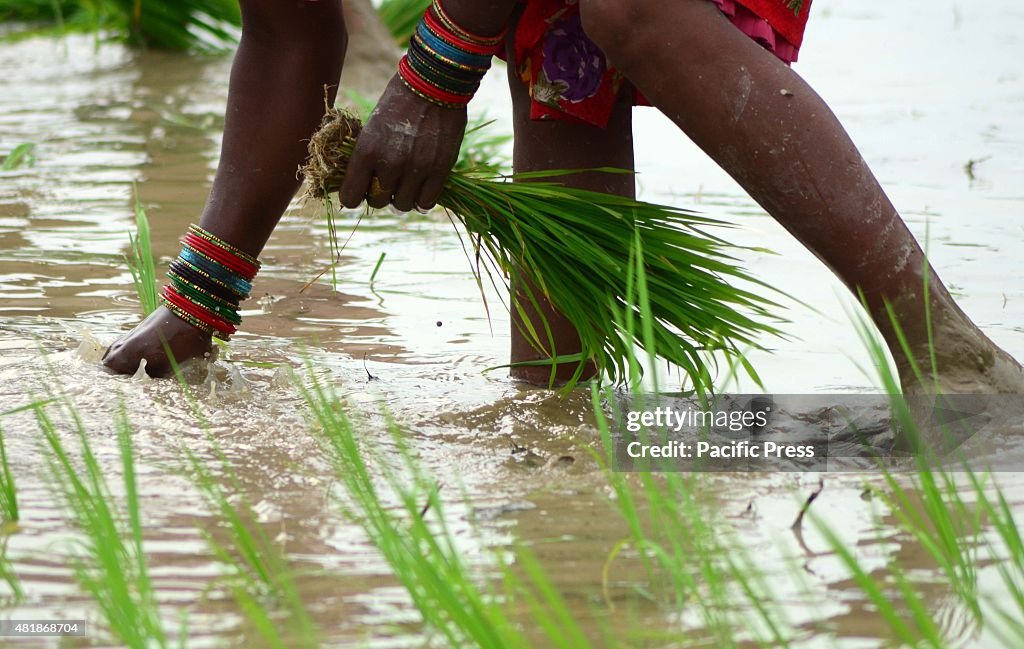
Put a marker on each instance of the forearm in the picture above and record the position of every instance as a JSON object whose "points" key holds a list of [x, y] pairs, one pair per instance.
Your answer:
{"points": [[275, 101]]}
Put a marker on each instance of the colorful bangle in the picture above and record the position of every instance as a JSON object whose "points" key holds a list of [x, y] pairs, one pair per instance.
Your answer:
{"points": [[428, 97], [193, 295], [220, 301], [423, 87], [221, 256], [236, 283], [172, 296], [451, 54], [184, 315], [463, 34], [437, 25], [198, 278], [209, 236], [207, 281], [436, 72], [445, 63]]}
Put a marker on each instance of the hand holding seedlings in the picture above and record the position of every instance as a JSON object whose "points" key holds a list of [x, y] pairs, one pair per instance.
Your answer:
{"points": [[404, 152], [411, 141]]}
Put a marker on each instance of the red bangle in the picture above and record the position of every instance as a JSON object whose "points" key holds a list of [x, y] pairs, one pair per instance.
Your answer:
{"points": [[224, 257], [417, 83], [465, 35], [455, 40], [197, 311], [217, 241], [215, 257]]}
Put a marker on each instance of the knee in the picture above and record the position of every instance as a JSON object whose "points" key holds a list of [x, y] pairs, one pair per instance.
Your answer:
{"points": [[614, 24]]}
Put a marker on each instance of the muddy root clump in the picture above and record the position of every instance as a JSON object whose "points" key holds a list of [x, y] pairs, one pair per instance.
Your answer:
{"points": [[329, 151]]}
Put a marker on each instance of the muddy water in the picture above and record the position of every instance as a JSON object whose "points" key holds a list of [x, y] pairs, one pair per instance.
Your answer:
{"points": [[906, 79]]}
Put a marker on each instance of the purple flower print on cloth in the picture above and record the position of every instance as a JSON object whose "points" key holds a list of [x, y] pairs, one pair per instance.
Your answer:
{"points": [[572, 62]]}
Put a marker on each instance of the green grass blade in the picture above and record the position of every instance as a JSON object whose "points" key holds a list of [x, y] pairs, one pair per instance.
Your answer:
{"points": [[23, 155], [141, 263]]}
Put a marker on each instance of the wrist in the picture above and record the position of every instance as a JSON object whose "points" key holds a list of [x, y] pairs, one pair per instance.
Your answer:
{"points": [[481, 18], [445, 62], [208, 280]]}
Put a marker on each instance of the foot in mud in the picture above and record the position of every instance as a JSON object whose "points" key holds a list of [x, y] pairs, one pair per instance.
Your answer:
{"points": [[161, 332], [950, 405]]}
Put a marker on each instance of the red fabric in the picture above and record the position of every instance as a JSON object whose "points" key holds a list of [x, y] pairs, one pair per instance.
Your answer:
{"points": [[569, 78], [541, 22], [789, 24]]}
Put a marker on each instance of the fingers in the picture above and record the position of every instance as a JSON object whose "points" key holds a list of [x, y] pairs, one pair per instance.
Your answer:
{"points": [[404, 153], [409, 190], [383, 182], [370, 176], [357, 177], [431, 191]]}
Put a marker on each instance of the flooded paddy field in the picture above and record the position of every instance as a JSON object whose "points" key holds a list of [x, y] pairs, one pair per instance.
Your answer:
{"points": [[932, 93]]}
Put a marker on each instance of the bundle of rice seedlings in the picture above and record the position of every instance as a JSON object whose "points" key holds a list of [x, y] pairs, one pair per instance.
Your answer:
{"points": [[585, 251]]}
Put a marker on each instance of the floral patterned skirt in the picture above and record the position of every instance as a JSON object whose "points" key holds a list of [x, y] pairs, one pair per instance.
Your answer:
{"points": [[569, 78]]}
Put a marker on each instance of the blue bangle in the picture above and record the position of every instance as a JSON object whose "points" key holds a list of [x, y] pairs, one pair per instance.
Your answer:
{"points": [[187, 271], [442, 48], [441, 75], [237, 283]]}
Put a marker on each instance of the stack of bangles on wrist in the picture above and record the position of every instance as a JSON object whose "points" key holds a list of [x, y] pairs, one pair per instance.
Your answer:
{"points": [[445, 63], [208, 280]]}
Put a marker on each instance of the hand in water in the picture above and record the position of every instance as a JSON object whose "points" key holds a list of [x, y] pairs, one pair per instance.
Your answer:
{"points": [[147, 341], [404, 153]]}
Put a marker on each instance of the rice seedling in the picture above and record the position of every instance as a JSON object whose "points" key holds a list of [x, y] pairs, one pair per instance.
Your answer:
{"points": [[688, 554], [7, 573], [575, 247], [197, 25], [413, 537], [893, 605], [261, 579], [426, 564], [948, 509], [483, 152], [687, 549], [8, 490], [401, 16], [1008, 556], [140, 261], [9, 524], [479, 150], [376, 268], [892, 593], [112, 567], [23, 155]]}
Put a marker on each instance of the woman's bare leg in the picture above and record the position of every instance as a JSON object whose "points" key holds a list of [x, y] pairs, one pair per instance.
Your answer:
{"points": [[541, 145], [772, 133]]}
